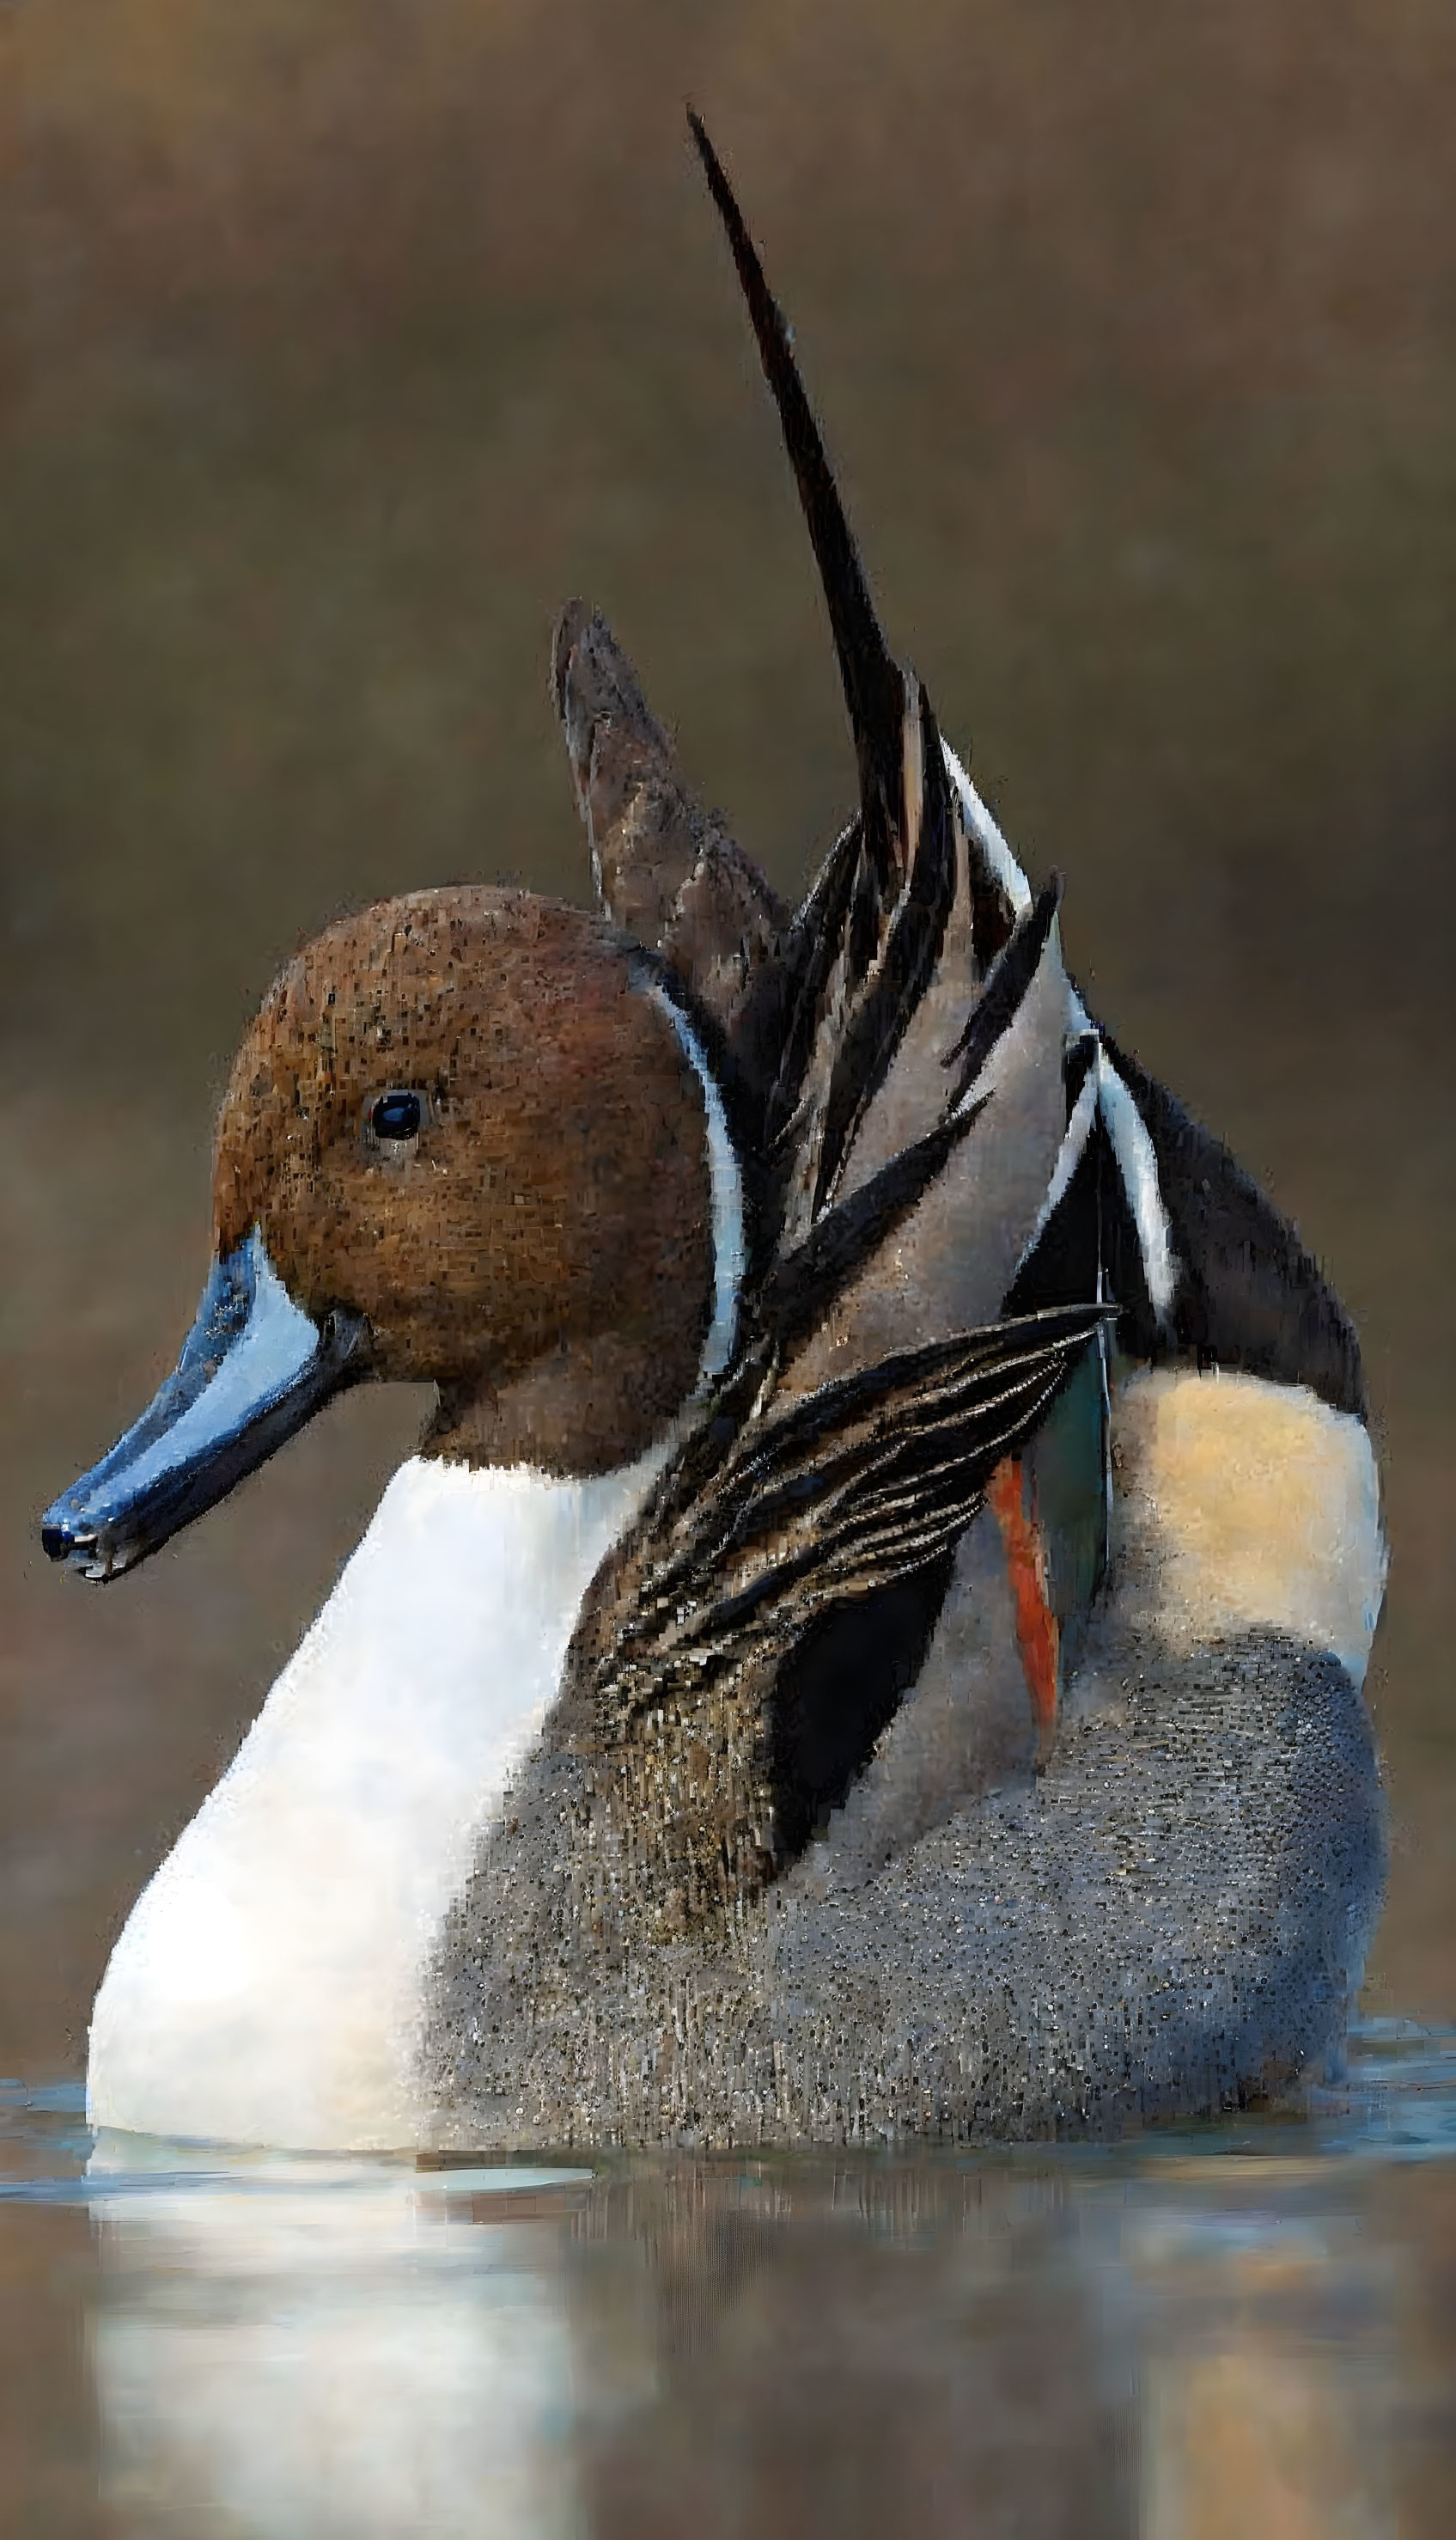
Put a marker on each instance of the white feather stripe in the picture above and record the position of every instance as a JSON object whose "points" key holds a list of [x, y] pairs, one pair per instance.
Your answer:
{"points": [[1070, 1156], [1136, 1162], [727, 1184], [988, 836], [1134, 1149]]}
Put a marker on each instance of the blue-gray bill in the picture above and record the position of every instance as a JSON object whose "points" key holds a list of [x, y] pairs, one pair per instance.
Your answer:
{"points": [[253, 1370]]}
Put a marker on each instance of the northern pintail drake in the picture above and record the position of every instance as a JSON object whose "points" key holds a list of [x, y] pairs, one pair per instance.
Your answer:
{"points": [[872, 1641]]}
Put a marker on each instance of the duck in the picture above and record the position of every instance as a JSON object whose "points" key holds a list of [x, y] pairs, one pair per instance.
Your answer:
{"points": [[872, 1641]]}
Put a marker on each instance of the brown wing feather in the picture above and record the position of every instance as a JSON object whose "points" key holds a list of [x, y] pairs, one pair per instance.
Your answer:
{"points": [[664, 870]]}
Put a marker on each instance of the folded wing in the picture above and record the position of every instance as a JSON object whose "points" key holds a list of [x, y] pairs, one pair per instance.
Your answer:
{"points": [[679, 1688]]}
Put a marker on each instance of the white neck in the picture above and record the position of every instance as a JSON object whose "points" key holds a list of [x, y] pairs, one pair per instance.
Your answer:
{"points": [[269, 1984]]}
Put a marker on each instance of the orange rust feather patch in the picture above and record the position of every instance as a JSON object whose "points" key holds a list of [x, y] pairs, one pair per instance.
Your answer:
{"points": [[1037, 1635]]}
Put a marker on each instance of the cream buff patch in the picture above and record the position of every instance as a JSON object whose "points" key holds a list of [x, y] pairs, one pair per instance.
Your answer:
{"points": [[1242, 1502]]}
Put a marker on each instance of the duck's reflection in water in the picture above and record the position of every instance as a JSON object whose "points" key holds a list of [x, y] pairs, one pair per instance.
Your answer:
{"points": [[331, 2348], [923, 2348]]}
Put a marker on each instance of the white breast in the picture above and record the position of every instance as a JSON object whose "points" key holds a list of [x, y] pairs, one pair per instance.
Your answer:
{"points": [[268, 1986]]}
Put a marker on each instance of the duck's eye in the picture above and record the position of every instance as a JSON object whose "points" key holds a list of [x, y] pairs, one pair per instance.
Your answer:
{"points": [[397, 1115]]}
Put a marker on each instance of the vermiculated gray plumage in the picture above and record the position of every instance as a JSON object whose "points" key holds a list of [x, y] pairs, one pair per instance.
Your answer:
{"points": [[1168, 1919]]}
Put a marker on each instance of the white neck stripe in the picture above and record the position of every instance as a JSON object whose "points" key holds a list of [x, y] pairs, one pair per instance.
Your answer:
{"points": [[726, 1184]]}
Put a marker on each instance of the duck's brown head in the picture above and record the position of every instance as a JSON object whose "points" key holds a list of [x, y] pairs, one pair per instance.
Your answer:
{"points": [[468, 1140]]}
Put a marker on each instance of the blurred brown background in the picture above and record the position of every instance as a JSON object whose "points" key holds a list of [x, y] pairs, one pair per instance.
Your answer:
{"points": [[342, 339]]}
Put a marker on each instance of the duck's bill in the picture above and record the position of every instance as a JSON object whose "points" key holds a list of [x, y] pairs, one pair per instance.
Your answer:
{"points": [[254, 1368]]}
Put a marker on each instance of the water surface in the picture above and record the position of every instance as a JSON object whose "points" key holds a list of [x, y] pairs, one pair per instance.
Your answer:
{"points": [[1244, 2327]]}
